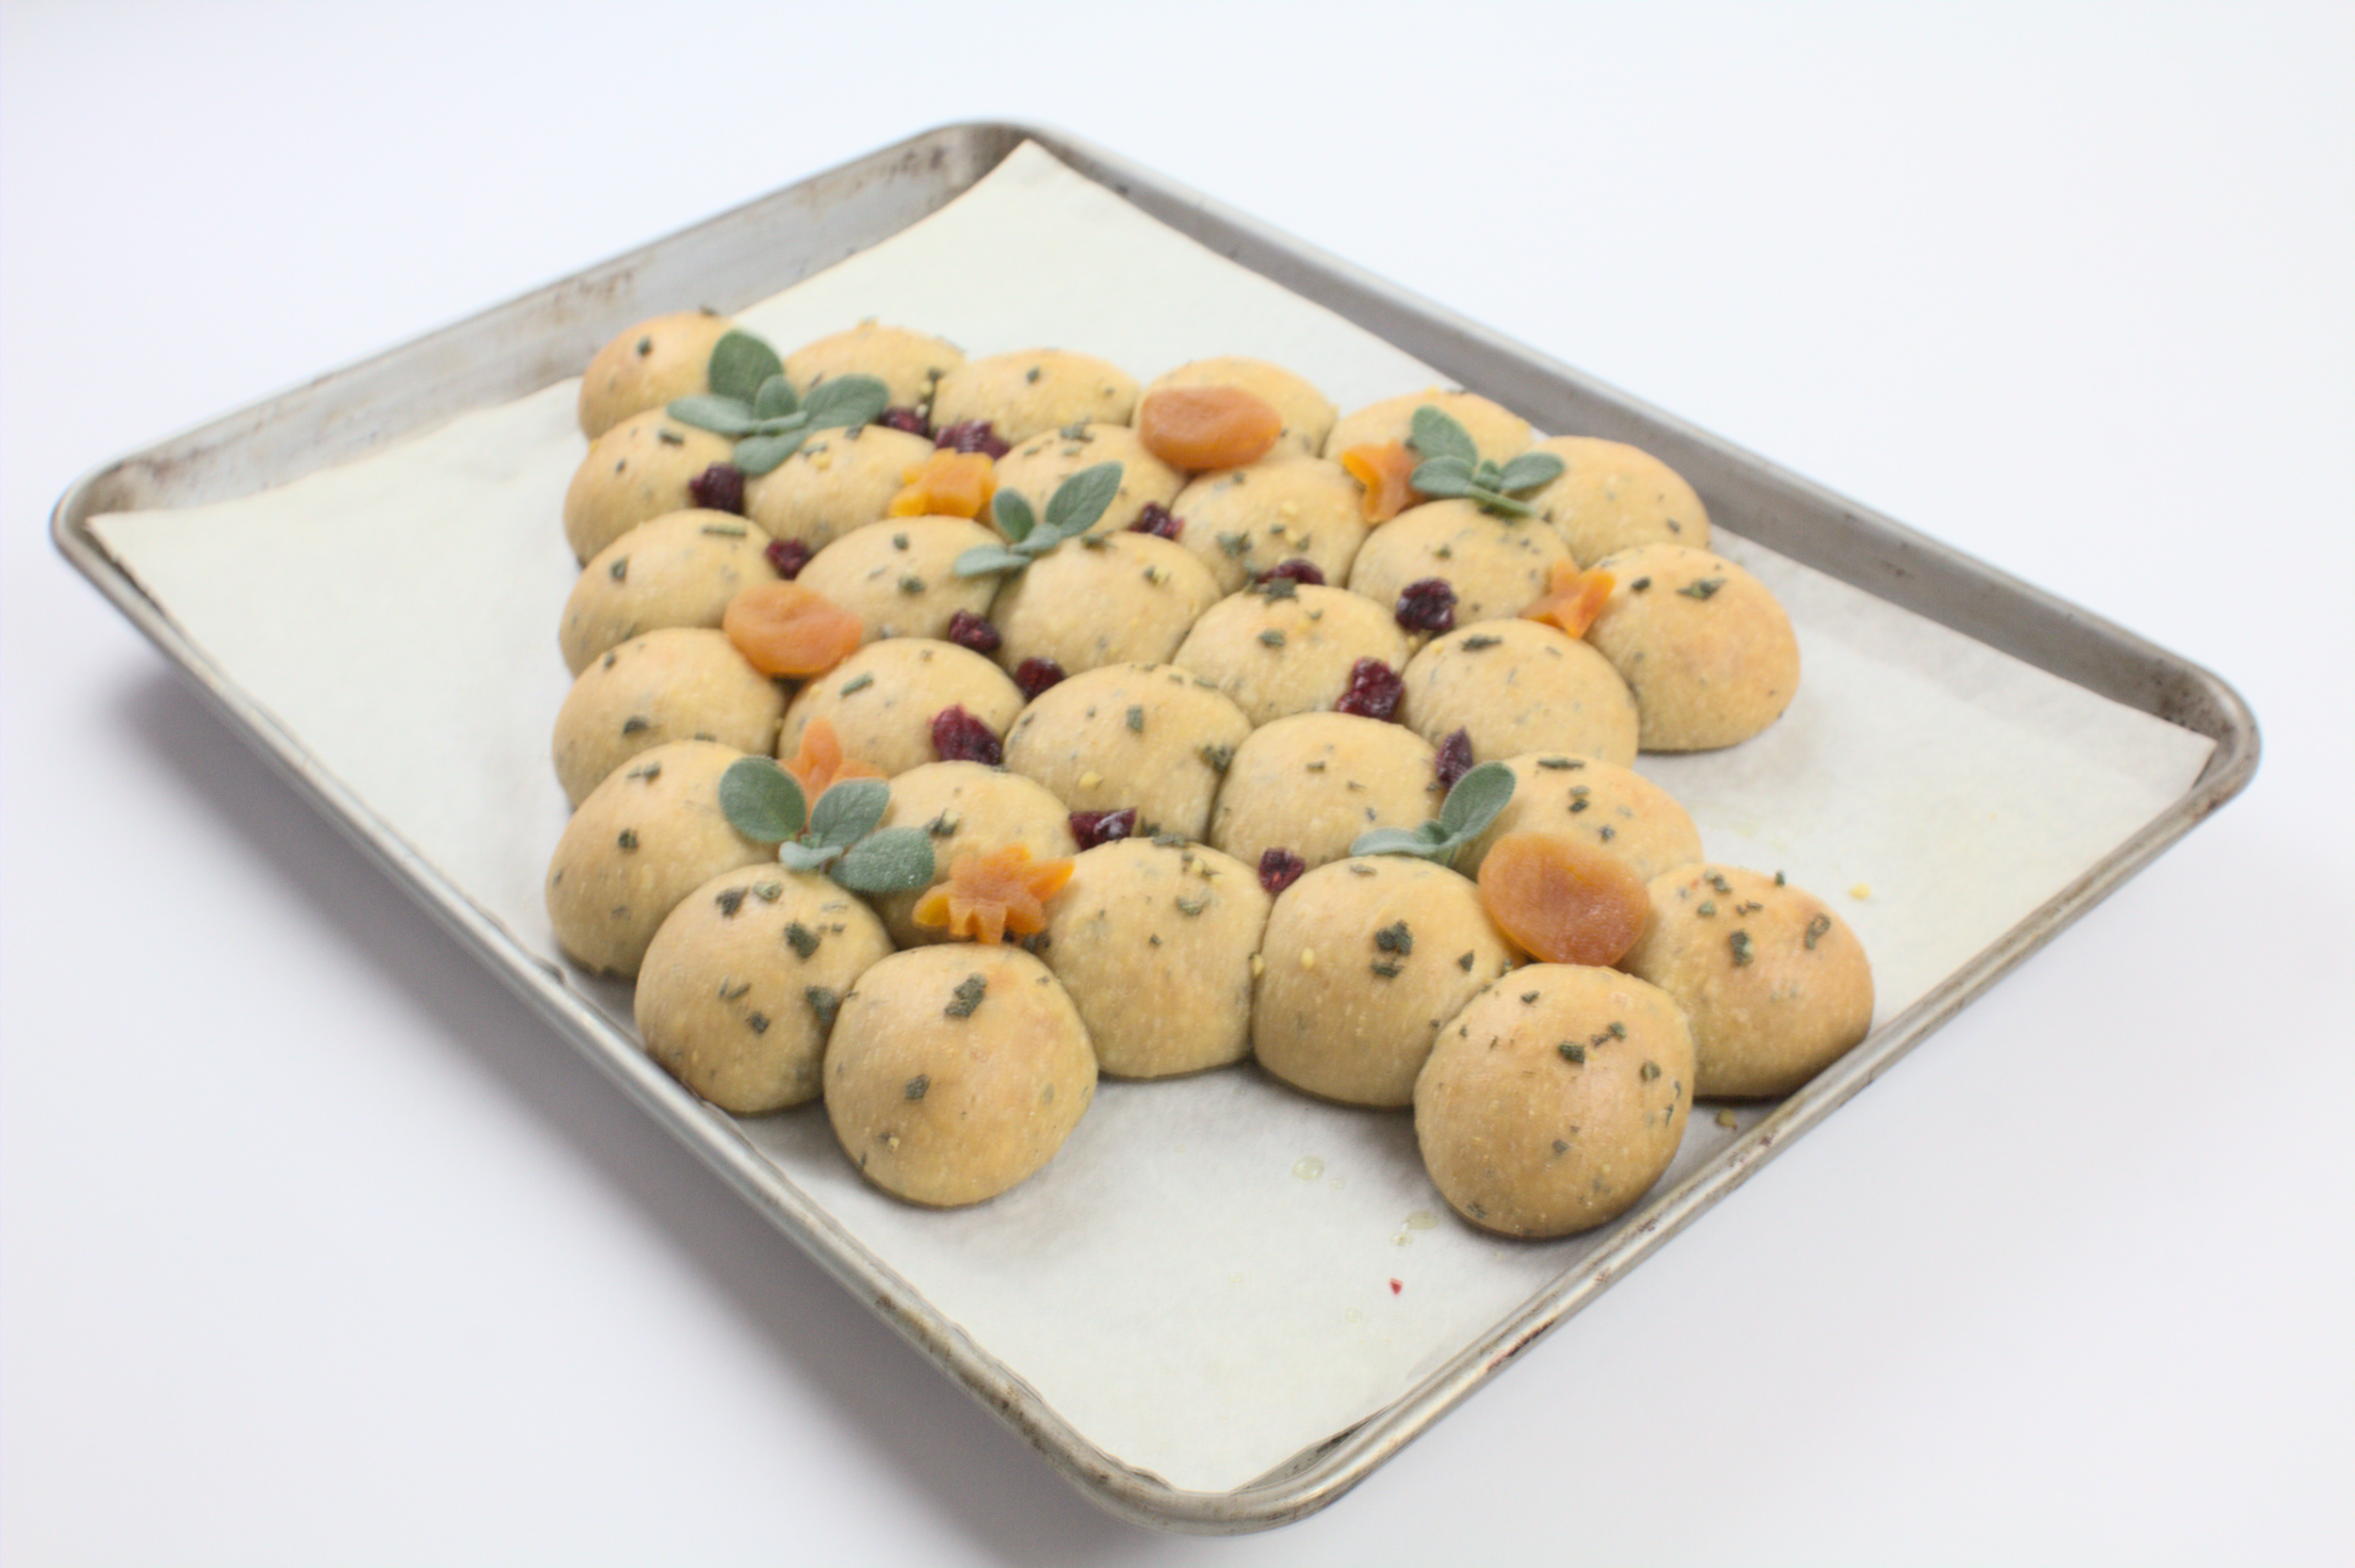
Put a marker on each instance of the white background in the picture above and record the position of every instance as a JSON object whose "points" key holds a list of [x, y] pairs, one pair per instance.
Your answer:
{"points": [[2066, 286]]}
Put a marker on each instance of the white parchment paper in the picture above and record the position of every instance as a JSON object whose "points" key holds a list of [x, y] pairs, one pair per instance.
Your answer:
{"points": [[1214, 1274]]}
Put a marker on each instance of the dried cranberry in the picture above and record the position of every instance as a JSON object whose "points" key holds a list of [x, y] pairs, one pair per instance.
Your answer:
{"points": [[1279, 868], [718, 488], [972, 435], [968, 630], [1092, 827], [1373, 690], [1428, 606], [1158, 521], [1456, 758], [1036, 675], [958, 736], [789, 556], [1296, 569], [904, 419]]}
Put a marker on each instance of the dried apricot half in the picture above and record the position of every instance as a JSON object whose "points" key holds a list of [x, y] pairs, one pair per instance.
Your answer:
{"points": [[1208, 427], [1385, 469], [1562, 901], [945, 484], [1572, 598], [992, 891], [784, 629]]}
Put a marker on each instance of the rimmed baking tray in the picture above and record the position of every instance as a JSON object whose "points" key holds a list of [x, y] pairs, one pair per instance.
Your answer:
{"points": [[1847, 569]]}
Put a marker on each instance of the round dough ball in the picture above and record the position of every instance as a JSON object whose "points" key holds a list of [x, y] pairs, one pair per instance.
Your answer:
{"points": [[1520, 686], [1243, 522], [636, 472], [1363, 960], [1307, 413], [1498, 566], [1708, 651], [1613, 496], [1616, 809], [882, 701], [1282, 648], [908, 363], [839, 480], [1312, 782], [1497, 433], [678, 570], [646, 365], [1776, 984], [1120, 598], [955, 1072], [1036, 390], [1175, 927], [648, 837], [678, 684], [1554, 1100], [740, 984], [967, 807], [900, 578], [1035, 468], [1149, 736]]}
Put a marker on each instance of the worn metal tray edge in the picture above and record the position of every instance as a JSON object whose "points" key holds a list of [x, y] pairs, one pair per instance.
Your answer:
{"points": [[1895, 563]]}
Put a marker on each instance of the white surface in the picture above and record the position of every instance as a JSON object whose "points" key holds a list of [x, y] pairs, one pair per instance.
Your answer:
{"points": [[2065, 287]]}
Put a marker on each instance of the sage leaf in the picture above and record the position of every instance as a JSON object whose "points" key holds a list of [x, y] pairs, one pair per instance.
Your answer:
{"points": [[848, 401], [1502, 506], [1528, 471], [982, 559], [1013, 515], [1435, 433], [848, 812], [761, 800], [1475, 801], [739, 364], [809, 857], [1080, 500], [775, 398], [758, 454], [1442, 477], [780, 425], [1393, 841], [893, 861], [727, 416]]}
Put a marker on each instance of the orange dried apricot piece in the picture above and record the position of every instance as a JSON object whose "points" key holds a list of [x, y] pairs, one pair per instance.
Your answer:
{"points": [[1563, 901], [947, 484], [1572, 598], [820, 764], [1208, 427], [783, 628], [1384, 468], [991, 892]]}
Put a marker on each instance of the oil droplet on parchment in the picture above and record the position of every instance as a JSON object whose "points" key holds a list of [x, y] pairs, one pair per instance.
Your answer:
{"points": [[1308, 1168]]}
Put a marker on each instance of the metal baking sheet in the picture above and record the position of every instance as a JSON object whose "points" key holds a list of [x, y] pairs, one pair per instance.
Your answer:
{"points": [[1850, 576]]}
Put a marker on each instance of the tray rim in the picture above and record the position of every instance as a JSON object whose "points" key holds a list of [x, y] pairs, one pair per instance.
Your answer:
{"points": [[363, 405]]}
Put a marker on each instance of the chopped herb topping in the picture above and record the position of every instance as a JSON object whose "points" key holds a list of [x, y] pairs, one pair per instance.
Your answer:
{"points": [[911, 584], [1192, 903], [801, 939], [619, 571], [824, 1002], [634, 725], [1464, 963], [1572, 1051], [730, 901], [629, 839], [1702, 589], [858, 684], [1815, 930], [1740, 942], [1396, 939], [1273, 637], [1136, 719], [756, 1022], [917, 1087], [1234, 545], [1386, 968], [1478, 640], [1650, 1071], [1218, 758], [969, 996]]}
